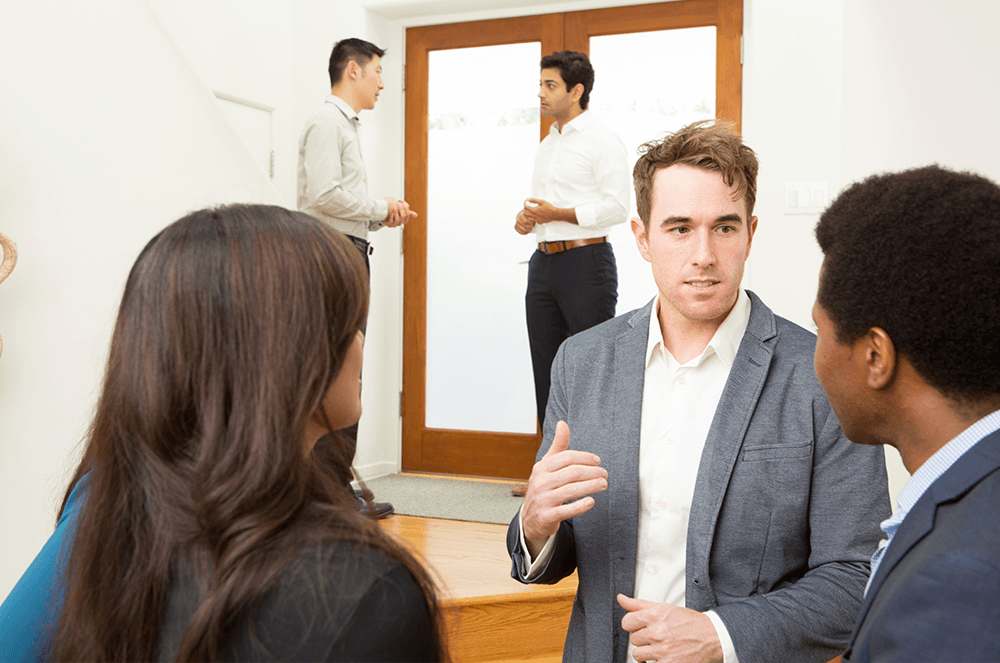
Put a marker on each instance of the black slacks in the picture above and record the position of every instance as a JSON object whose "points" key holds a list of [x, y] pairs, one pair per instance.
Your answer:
{"points": [[568, 292], [349, 435]]}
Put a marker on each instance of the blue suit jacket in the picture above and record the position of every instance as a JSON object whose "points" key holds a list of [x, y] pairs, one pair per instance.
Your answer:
{"points": [[785, 513], [936, 594]]}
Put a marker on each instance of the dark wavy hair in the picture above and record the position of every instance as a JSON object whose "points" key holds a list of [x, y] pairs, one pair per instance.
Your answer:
{"points": [[916, 253], [233, 325], [708, 144], [575, 69], [345, 50]]}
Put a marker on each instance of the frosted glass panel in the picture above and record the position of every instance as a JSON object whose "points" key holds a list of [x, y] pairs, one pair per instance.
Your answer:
{"points": [[645, 85], [483, 129]]}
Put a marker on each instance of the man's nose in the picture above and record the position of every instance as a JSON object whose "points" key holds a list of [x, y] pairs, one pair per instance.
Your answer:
{"points": [[704, 250]]}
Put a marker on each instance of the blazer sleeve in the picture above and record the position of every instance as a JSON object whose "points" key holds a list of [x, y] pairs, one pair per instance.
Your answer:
{"points": [[30, 614], [561, 564], [810, 615], [563, 560], [945, 612]]}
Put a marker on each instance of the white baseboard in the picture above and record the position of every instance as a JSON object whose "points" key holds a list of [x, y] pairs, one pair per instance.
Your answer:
{"points": [[375, 470]]}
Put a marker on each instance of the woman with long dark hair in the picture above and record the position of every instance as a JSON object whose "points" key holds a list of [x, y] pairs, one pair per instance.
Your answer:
{"points": [[209, 520]]}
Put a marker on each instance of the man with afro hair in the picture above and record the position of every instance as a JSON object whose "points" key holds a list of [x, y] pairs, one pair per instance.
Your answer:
{"points": [[908, 352]]}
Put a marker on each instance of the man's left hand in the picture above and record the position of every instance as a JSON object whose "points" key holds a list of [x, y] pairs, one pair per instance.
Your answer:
{"points": [[668, 633], [542, 211]]}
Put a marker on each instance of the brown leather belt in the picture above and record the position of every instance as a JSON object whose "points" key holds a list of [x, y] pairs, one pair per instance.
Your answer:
{"points": [[549, 248]]}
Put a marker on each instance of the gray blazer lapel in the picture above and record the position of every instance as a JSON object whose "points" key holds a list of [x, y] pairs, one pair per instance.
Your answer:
{"points": [[722, 446], [622, 463]]}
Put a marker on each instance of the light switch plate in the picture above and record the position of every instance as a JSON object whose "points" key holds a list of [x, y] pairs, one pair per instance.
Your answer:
{"points": [[806, 197]]}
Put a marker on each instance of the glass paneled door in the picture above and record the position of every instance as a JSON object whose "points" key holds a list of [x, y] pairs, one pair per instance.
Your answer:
{"points": [[472, 127], [482, 131]]}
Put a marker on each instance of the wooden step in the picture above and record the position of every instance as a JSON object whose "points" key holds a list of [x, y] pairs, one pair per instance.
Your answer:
{"points": [[490, 616]]}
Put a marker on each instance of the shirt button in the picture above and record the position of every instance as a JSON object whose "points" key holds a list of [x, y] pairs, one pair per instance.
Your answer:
{"points": [[682, 380], [656, 570], [663, 504]]}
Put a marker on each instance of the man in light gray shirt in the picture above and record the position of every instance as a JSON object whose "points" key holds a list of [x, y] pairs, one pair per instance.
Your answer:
{"points": [[332, 185]]}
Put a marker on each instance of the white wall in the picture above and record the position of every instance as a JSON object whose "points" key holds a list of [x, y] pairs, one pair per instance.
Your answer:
{"points": [[106, 137], [244, 49], [109, 131], [921, 85]]}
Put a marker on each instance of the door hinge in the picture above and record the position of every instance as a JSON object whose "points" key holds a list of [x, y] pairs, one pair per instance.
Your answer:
{"points": [[741, 49], [400, 405]]}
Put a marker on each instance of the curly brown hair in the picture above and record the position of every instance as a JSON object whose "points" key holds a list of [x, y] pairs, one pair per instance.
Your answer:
{"points": [[708, 144]]}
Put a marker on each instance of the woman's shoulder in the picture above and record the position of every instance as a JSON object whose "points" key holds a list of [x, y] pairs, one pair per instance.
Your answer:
{"points": [[347, 600], [347, 568]]}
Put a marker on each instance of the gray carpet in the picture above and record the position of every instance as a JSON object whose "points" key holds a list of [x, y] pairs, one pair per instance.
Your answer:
{"points": [[451, 499]]}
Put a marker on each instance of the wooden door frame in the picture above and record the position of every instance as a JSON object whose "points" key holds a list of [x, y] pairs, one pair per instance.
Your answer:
{"points": [[725, 15], [512, 454]]}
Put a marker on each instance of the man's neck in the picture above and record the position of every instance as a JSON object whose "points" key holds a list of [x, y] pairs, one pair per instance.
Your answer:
{"points": [[921, 419], [346, 95], [684, 338], [567, 117]]}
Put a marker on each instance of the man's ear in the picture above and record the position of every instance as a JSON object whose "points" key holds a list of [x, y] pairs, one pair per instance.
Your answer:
{"points": [[751, 229], [641, 239], [353, 70], [879, 357], [577, 92]]}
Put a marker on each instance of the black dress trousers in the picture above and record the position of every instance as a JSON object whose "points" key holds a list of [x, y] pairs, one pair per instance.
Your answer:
{"points": [[568, 292]]}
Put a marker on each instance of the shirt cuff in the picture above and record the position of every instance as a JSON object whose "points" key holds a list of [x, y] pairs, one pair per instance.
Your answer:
{"points": [[728, 650], [381, 211], [532, 569], [586, 215]]}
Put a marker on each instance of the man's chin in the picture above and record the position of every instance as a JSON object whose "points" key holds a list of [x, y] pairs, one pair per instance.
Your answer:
{"points": [[705, 310]]}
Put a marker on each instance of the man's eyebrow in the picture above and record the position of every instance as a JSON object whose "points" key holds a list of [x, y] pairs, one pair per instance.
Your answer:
{"points": [[549, 80], [730, 218], [726, 218], [671, 220]]}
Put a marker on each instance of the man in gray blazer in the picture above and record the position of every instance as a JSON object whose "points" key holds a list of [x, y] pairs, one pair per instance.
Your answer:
{"points": [[692, 470]]}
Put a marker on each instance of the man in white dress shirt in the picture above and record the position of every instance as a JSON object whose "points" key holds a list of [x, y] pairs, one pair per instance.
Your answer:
{"points": [[708, 498], [580, 188], [332, 184]]}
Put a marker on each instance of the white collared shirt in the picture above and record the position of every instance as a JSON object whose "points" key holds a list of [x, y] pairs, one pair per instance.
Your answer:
{"points": [[678, 405], [332, 185], [584, 167], [927, 474]]}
